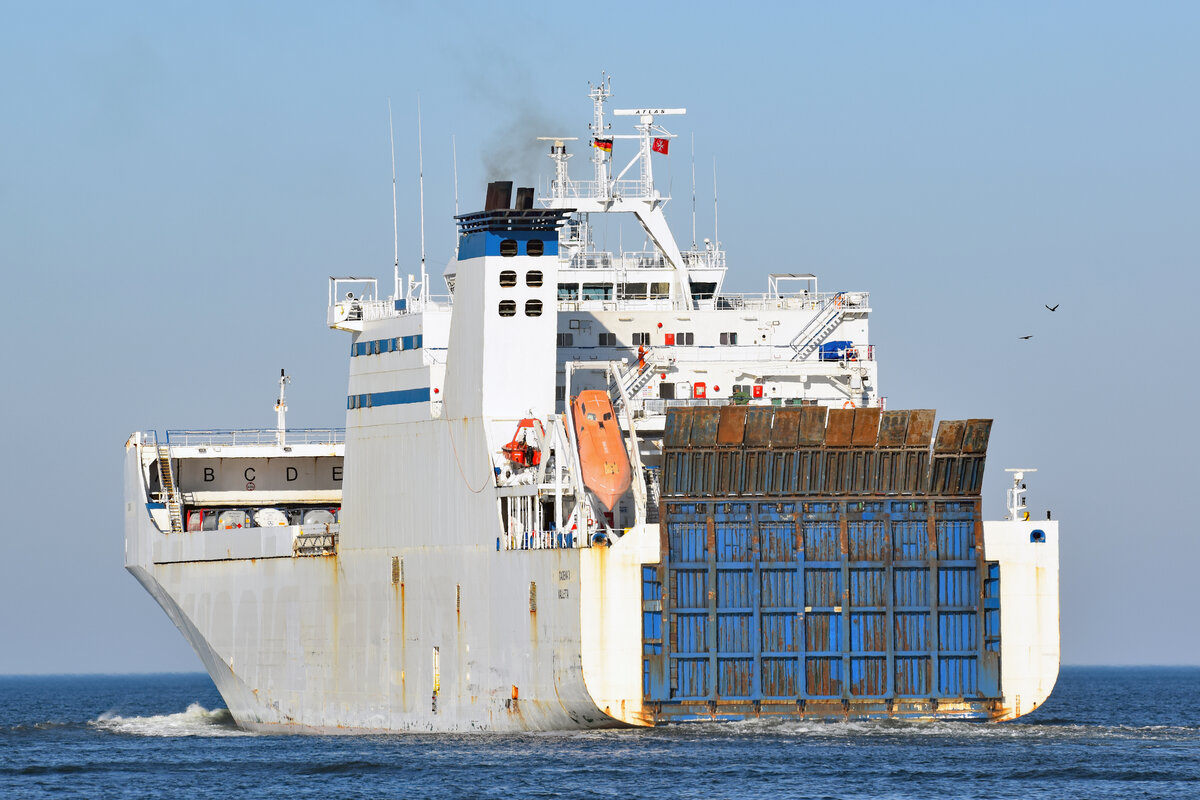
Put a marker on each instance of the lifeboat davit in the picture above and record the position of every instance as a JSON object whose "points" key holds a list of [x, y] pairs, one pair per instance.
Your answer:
{"points": [[602, 455]]}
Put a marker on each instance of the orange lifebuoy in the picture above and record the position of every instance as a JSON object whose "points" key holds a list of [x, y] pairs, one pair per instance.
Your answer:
{"points": [[848, 404]]}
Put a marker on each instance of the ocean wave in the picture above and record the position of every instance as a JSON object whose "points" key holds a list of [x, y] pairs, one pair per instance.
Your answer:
{"points": [[1049, 730], [195, 721]]}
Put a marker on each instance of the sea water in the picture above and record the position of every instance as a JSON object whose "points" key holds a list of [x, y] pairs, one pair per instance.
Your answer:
{"points": [[1105, 732]]}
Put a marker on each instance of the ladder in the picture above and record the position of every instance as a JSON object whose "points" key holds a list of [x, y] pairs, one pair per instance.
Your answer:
{"points": [[827, 318], [655, 495], [170, 492]]}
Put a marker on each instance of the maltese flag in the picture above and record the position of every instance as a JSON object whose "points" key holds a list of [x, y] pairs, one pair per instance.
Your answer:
{"points": [[660, 145]]}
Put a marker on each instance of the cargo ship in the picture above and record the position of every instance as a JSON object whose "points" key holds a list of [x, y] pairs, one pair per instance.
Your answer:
{"points": [[595, 489]]}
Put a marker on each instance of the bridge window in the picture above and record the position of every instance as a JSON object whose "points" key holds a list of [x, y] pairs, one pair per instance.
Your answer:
{"points": [[568, 291], [533, 277], [597, 291], [535, 247], [508, 308], [533, 308], [660, 291], [508, 247], [633, 291]]}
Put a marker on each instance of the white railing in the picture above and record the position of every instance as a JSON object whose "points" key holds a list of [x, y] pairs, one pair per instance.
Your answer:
{"points": [[642, 259], [596, 190], [544, 540], [590, 261], [791, 300], [703, 259], [386, 309], [254, 436]]}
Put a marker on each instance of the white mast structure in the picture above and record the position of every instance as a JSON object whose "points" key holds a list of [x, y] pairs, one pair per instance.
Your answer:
{"points": [[607, 194], [281, 409]]}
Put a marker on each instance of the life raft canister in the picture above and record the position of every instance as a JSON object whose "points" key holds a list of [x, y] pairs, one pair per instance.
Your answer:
{"points": [[520, 451]]}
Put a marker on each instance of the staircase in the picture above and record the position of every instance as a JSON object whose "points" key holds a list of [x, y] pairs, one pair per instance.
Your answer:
{"points": [[827, 318], [640, 378], [170, 492]]}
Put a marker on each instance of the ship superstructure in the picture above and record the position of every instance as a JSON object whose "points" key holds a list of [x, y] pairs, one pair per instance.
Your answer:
{"points": [[591, 488]]}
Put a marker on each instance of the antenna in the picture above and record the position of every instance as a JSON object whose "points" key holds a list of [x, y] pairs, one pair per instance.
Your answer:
{"points": [[454, 155], [421, 189], [716, 235], [395, 214], [693, 191]]}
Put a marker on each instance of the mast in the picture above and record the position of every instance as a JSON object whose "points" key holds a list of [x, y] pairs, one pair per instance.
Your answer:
{"points": [[454, 155], [395, 213], [421, 191], [600, 93], [693, 191], [716, 231], [281, 409]]}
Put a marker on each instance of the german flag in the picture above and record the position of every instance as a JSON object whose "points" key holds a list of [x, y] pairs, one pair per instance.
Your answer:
{"points": [[603, 144]]}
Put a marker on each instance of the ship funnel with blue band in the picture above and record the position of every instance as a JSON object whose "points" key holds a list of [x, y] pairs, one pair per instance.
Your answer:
{"points": [[485, 232]]}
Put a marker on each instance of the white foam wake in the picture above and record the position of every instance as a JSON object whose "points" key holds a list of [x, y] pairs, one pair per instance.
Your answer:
{"points": [[195, 721]]}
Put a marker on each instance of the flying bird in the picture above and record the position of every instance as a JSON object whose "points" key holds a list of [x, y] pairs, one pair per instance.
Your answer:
{"points": [[1030, 336], [1055, 308]]}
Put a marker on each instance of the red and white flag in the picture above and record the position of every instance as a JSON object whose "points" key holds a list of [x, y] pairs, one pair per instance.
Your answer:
{"points": [[660, 145]]}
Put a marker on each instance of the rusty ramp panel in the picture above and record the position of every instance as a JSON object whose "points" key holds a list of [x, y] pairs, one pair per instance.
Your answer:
{"points": [[920, 427], [704, 426], [732, 427], [758, 425], [893, 428], [866, 427], [785, 431], [677, 430], [839, 431]]}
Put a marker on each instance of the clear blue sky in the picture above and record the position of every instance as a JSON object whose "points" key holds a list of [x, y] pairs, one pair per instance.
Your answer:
{"points": [[178, 180]]}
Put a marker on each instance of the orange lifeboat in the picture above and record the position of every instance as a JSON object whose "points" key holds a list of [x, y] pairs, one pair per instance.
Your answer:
{"points": [[602, 455]]}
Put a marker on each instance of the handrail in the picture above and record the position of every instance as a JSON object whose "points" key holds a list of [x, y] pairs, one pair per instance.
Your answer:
{"points": [[251, 436]]}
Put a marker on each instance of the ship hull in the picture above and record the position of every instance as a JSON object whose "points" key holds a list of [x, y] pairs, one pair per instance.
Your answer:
{"points": [[457, 634]]}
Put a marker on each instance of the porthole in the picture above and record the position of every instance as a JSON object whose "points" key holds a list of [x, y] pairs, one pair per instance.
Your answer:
{"points": [[508, 308], [533, 278], [508, 247], [535, 247], [508, 278], [533, 308]]}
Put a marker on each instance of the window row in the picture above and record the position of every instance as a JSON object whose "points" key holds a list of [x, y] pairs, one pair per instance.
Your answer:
{"points": [[533, 308], [377, 346], [640, 338], [605, 291], [508, 278], [533, 247]]}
